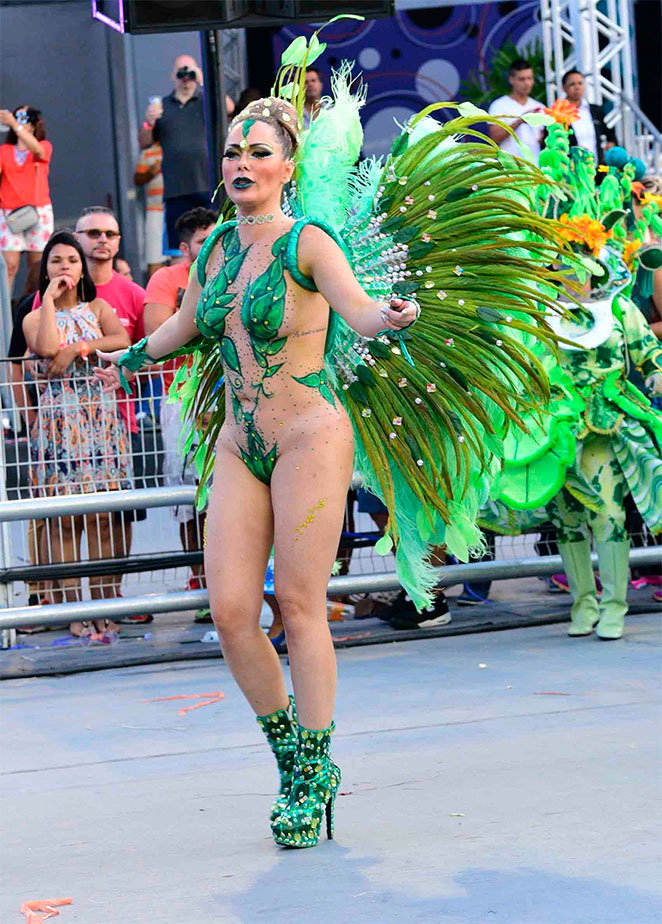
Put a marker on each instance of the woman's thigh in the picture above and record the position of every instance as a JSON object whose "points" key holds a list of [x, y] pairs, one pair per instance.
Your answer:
{"points": [[239, 538], [308, 493]]}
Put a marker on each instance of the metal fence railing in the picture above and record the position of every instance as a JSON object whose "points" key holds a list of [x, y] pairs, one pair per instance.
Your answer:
{"points": [[101, 526]]}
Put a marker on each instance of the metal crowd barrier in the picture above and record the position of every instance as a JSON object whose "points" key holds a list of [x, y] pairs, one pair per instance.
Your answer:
{"points": [[157, 552], [102, 502]]}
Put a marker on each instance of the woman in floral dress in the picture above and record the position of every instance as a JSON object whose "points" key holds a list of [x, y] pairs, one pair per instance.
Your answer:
{"points": [[78, 441]]}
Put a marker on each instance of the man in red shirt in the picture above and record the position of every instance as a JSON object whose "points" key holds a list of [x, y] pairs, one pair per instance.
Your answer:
{"points": [[163, 297], [98, 232]]}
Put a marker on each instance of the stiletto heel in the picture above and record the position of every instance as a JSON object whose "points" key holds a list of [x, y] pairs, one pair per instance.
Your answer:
{"points": [[313, 793], [330, 808]]}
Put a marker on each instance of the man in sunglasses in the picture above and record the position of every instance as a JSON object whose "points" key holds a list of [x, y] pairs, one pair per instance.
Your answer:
{"points": [[178, 124]]}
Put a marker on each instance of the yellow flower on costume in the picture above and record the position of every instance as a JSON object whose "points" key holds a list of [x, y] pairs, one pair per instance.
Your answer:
{"points": [[581, 229], [649, 197], [631, 248]]}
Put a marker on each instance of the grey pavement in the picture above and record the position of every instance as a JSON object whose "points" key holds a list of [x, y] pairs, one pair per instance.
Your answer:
{"points": [[502, 778]]}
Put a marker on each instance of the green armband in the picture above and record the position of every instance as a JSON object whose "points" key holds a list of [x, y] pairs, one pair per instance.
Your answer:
{"points": [[133, 360]]}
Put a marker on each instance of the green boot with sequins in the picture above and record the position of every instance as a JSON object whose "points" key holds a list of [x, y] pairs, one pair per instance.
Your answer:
{"points": [[313, 794], [281, 730]]}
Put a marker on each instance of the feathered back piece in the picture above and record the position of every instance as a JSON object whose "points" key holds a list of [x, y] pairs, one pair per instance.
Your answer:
{"points": [[447, 218]]}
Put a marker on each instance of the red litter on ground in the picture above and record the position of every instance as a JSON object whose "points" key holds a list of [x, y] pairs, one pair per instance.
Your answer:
{"points": [[32, 909], [211, 698]]}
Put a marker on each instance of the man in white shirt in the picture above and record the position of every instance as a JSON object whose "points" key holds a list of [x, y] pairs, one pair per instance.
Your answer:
{"points": [[517, 103], [590, 127]]}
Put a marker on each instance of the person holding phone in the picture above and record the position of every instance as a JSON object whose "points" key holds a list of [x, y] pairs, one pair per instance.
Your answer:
{"points": [[177, 123], [26, 211]]}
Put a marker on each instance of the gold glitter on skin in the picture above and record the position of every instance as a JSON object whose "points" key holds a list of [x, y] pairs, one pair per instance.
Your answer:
{"points": [[310, 519]]}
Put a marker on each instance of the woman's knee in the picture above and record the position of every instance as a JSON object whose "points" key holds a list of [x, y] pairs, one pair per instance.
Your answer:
{"points": [[300, 610], [233, 614]]}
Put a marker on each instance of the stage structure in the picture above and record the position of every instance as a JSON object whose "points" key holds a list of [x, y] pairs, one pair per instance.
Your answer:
{"points": [[600, 43]]}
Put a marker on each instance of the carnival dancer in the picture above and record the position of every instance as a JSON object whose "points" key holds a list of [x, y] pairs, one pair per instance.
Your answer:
{"points": [[601, 439], [312, 393]]}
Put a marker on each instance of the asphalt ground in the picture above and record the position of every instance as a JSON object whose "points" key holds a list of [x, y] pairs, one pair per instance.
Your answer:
{"points": [[491, 777]]}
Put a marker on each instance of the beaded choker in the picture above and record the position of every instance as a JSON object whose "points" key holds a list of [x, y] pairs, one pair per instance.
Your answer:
{"points": [[254, 219]]}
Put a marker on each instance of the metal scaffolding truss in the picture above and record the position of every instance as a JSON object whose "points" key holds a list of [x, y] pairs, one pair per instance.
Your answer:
{"points": [[596, 37]]}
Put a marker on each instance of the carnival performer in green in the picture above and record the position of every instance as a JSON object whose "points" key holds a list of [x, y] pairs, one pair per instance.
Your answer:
{"points": [[312, 394], [601, 439]]}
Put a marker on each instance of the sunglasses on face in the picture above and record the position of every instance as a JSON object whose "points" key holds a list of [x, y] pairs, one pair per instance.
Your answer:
{"points": [[185, 73], [95, 234]]}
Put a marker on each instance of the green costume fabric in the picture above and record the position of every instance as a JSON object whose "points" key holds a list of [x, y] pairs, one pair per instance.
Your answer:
{"points": [[616, 441], [619, 448]]}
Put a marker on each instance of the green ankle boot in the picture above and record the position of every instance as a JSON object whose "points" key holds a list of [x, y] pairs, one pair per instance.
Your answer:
{"points": [[578, 568], [614, 571], [313, 794], [281, 730]]}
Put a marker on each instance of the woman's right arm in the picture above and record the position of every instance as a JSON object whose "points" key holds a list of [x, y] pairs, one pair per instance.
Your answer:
{"points": [[174, 333], [40, 326]]}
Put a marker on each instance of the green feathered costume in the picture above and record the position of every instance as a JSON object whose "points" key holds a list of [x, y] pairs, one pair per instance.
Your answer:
{"points": [[599, 439], [449, 219]]}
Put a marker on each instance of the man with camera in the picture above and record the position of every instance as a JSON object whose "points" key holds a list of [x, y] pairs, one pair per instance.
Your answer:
{"points": [[178, 124]]}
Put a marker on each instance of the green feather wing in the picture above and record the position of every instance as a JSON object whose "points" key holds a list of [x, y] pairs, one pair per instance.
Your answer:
{"points": [[446, 222]]}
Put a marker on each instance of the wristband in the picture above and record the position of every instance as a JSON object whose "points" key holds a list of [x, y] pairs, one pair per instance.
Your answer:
{"points": [[134, 358], [84, 349], [147, 126]]}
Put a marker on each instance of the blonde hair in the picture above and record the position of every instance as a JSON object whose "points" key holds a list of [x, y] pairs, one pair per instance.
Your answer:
{"points": [[281, 115]]}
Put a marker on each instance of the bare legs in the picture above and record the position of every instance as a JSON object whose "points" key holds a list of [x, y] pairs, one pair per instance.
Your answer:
{"points": [[239, 540], [60, 542], [12, 262], [308, 493], [301, 513]]}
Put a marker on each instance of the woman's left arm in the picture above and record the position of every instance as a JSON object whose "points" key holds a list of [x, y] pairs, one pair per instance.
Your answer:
{"points": [[322, 260], [643, 346], [114, 338]]}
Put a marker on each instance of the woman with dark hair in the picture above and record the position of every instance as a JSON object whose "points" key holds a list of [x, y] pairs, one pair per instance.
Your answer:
{"points": [[78, 441], [26, 212]]}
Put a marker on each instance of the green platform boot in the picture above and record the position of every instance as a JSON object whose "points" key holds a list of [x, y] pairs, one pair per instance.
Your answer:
{"points": [[614, 572], [581, 581], [313, 795], [281, 729]]}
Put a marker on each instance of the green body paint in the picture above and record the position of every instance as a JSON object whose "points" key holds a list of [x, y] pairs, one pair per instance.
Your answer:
{"points": [[262, 314], [320, 382]]}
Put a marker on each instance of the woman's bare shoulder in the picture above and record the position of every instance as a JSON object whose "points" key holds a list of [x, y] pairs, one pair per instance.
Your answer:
{"points": [[97, 305]]}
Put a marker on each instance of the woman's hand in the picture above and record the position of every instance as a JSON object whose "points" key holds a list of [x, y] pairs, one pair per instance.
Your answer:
{"points": [[59, 285], [8, 118], [65, 356], [401, 313], [110, 375]]}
